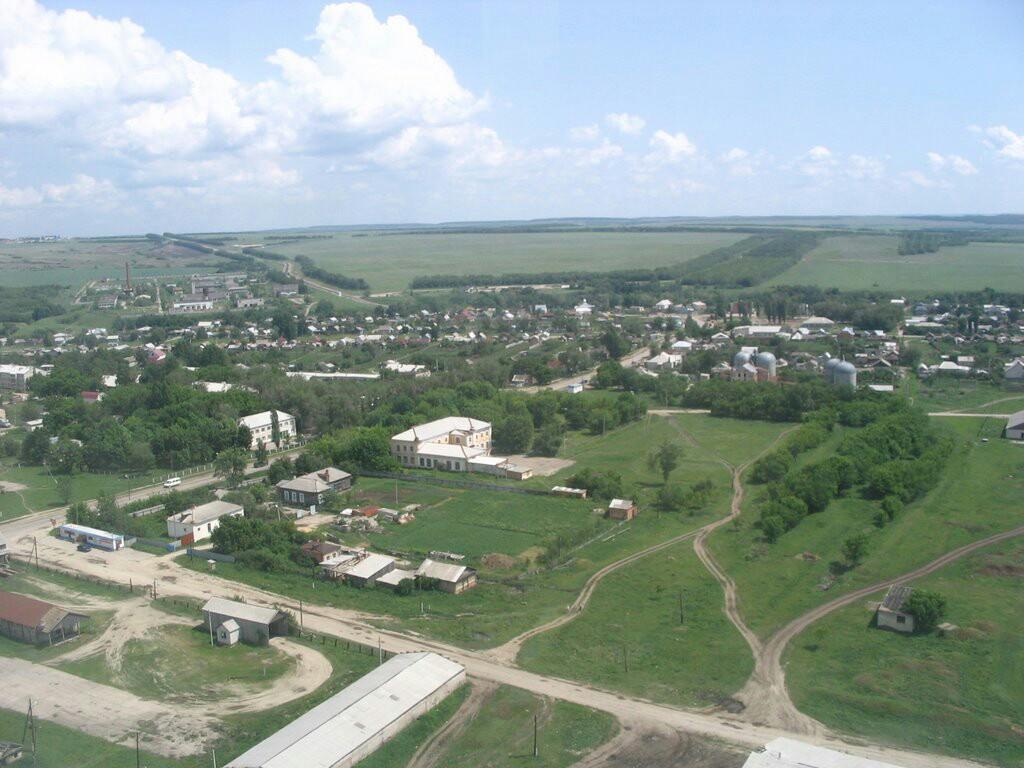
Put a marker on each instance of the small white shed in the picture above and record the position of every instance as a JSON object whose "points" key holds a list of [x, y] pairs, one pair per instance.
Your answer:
{"points": [[228, 633]]}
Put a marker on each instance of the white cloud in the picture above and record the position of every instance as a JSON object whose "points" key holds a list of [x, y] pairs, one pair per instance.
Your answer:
{"points": [[740, 162], [81, 189], [625, 122], [816, 162], [863, 167], [1006, 143], [585, 133], [955, 163], [670, 147]]}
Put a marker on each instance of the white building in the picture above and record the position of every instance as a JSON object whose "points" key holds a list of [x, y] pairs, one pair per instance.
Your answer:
{"points": [[790, 753], [261, 425], [353, 723], [15, 376], [890, 614], [1015, 426], [1014, 371], [200, 522], [663, 361], [447, 443], [182, 307]]}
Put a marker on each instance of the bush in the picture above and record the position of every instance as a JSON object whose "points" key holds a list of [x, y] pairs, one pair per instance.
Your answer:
{"points": [[928, 609], [771, 467]]}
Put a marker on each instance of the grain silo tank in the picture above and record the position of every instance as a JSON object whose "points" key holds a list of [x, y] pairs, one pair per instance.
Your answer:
{"points": [[830, 369], [845, 375], [767, 361], [740, 359]]}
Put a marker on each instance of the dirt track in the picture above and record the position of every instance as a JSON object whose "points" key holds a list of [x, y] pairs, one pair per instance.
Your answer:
{"points": [[433, 750]]}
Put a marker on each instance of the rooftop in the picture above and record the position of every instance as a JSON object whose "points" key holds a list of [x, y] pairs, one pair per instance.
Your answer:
{"points": [[224, 607], [29, 612], [789, 753], [441, 427]]}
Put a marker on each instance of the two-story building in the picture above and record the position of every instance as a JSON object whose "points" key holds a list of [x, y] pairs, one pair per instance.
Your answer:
{"points": [[261, 427], [449, 443]]}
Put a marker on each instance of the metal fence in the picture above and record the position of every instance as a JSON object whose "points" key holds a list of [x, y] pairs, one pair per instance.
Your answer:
{"points": [[208, 555]]}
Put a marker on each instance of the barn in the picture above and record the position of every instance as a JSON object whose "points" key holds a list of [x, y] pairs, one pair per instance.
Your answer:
{"points": [[255, 624], [34, 621], [353, 723]]}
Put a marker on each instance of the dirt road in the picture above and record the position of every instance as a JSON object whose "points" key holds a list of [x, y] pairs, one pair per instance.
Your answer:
{"points": [[291, 269], [767, 685], [433, 750]]}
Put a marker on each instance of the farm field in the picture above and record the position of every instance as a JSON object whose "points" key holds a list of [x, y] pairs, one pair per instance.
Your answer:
{"points": [[862, 262], [389, 262], [74, 262], [780, 581], [938, 394], [961, 694], [696, 662]]}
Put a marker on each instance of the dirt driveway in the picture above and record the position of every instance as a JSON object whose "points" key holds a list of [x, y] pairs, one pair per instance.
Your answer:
{"points": [[542, 466]]}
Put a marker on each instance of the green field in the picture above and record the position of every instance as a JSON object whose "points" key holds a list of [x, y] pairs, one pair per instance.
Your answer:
{"points": [[780, 581], [862, 262], [151, 667], [636, 611], [962, 694], [40, 488], [390, 261]]}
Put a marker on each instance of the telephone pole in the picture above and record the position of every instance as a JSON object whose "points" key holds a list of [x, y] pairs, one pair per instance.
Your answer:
{"points": [[536, 746]]}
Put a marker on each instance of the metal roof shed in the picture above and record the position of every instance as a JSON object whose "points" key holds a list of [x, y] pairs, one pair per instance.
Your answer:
{"points": [[353, 723], [790, 753]]}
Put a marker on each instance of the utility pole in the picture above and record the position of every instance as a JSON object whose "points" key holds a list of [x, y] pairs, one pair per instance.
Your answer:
{"points": [[536, 746], [138, 754], [30, 726], [214, 758], [380, 651], [209, 625], [680, 606], [35, 551], [625, 658], [301, 623]]}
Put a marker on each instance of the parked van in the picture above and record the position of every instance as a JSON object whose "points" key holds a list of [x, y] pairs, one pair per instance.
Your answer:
{"points": [[170, 482]]}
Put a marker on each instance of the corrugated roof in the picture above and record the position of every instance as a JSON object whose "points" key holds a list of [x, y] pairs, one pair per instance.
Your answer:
{"points": [[435, 429], [790, 753], [895, 597], [29, 612], [441, 571], [330, 732], [224, 607]]}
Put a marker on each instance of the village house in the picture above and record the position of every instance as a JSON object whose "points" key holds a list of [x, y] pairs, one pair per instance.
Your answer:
{"points": [[663, 361], [28, 620], [15, 376], [200, 522], [890, 614], [261, 427], [251, 624], [309, 491], [621, 509], [317, 551]]}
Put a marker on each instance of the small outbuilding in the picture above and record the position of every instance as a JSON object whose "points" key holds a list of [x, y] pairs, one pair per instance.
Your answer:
{"points": [[1015, 426], [228, 633], [621, 509], [790, 753], [256, 625], [890, 613], [455, 579], [28, 620]]}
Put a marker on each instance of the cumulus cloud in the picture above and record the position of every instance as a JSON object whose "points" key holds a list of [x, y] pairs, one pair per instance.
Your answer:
{"points": [[670, 147], [817, 161], [955, 163], [81, 189], [625, 122], [864, 167], [1006, 143], [739, 162]]}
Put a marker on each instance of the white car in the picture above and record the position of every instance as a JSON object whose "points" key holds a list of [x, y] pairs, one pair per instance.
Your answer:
{"points": [[171, 482]]}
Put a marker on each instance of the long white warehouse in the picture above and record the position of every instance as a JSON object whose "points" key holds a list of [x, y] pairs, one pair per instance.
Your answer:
{"points": [[789, 753], [353, 723]]}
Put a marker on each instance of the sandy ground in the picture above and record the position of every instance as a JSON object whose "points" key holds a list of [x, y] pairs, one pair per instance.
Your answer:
{"points": [[9, 485], [114, 714], [542, 466], [638, 746], [100, 710]]}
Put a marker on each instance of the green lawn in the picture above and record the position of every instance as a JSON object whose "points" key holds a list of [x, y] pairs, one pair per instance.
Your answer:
{"points": [[151, 667], [390, 261], [780, 581], [635, 610], [863, 262], [41, 491], [962, 695], [501, 735], [950, 394]]}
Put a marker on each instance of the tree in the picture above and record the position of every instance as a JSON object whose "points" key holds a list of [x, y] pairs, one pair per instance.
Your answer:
{"points": [[514, 433], [666, 459], [615, 343], [928, 609], [230, 464], [261, 455], [275, 429], [548, 441], [855, 548], [35, 447]]}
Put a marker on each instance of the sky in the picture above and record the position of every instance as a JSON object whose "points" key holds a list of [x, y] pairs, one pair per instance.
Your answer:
{"points": [[124, 117]]}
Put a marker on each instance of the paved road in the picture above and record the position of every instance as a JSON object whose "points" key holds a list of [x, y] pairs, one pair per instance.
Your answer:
{"points": [[290, 268]]}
